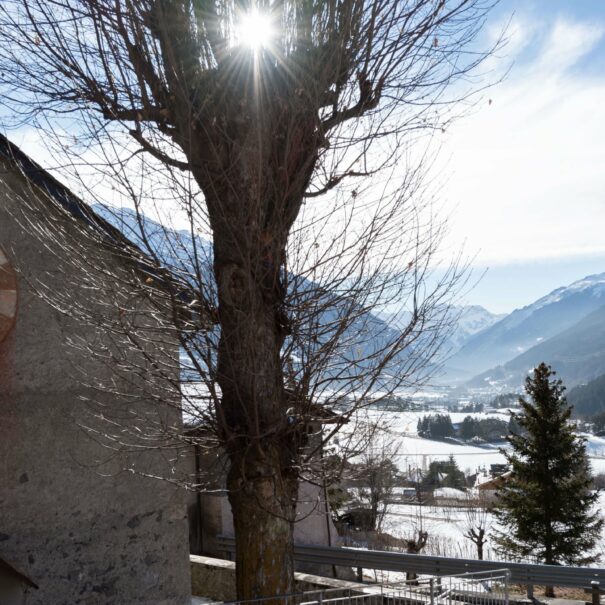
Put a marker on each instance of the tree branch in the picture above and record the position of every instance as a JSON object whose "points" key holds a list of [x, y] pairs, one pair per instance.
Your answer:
{"points": [[156, 153], [334, 181], [369, 97]]}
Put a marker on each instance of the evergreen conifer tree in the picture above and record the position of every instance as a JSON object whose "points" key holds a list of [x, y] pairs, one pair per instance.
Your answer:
{"points": [[547, 508], [468, 430], [444, 473], [454, 476]]}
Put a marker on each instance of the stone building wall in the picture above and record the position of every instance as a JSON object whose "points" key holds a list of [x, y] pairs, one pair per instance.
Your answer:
{"points": [[70, 517]]}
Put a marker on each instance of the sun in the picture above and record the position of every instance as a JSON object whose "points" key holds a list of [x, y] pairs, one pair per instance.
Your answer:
{"points": [[255, 30]]}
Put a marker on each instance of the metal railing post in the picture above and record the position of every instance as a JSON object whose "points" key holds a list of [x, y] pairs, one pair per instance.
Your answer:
{"points": [[432, 586], [596, 592], [360, 574], [506, 583], [530, 592]]}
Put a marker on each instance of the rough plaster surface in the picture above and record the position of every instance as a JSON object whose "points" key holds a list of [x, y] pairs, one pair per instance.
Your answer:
{"points": [[215, 579], [8, 296], [84, 531]]}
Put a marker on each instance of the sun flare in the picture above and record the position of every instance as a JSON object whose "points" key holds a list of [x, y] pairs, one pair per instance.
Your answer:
{"points": [[255, 30]]}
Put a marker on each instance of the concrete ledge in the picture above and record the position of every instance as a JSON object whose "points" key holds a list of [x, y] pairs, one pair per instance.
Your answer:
{"points": [[212, 578], [307, 581], [215, 579]]}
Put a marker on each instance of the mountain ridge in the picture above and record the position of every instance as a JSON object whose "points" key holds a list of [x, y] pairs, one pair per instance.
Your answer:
{"points": [[577, 354], [526, 327]]}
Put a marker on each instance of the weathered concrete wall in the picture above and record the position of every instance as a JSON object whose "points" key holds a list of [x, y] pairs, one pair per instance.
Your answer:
{"points": [[215, 579], [70, 518]]}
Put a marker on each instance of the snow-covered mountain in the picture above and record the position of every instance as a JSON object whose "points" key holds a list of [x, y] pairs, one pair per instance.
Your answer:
{"points": [[591, 285], [472, 319], [359, 346], [526, 327], [469, 320]]}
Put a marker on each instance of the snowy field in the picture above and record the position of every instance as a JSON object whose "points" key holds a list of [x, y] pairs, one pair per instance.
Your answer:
{"points": [[400, 430], [446, 527]]}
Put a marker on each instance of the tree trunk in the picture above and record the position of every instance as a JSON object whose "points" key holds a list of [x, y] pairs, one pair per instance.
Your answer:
{"points": [[262, 438], [480, 543], [414, 546], [373, 512], [261, 445], [264, 553], [253, 170], [549, 591]]}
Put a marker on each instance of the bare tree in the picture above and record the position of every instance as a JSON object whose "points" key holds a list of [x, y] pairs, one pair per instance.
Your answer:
{"points": [[296, 160], [371, 478], [477, 522], [381, 478], [417, 538], [417, 541]]}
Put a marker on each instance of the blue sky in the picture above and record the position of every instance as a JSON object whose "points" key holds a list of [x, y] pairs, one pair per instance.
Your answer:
{"points": [[525, 174], [522, 178]]}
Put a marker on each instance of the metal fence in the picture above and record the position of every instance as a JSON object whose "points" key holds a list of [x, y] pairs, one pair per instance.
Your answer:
{"points": [[484, 588]]}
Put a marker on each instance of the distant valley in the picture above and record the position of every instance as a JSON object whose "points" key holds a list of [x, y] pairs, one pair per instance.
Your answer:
{"points": [[484, 351]]}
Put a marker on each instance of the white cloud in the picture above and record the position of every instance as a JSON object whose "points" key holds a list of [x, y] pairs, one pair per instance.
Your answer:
{"points": [[516, 32], [568, 42], [527, 172]]}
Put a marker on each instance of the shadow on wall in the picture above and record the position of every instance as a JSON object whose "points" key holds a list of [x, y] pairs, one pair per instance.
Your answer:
{"points": [[14, 585]]}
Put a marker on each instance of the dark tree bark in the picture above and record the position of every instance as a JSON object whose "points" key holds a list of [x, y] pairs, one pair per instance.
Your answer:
{"points": [[414, 546], [254, 186]]}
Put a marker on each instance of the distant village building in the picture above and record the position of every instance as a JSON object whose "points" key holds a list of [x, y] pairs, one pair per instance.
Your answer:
{"points": [[79, 529], [487, 486], [496, 470]]}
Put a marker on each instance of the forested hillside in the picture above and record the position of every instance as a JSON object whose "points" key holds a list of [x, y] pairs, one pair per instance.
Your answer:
{"points": [[588, 399]]}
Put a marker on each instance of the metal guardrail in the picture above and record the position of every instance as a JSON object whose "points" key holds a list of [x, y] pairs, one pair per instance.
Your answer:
{"points": [[529, 574]]}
